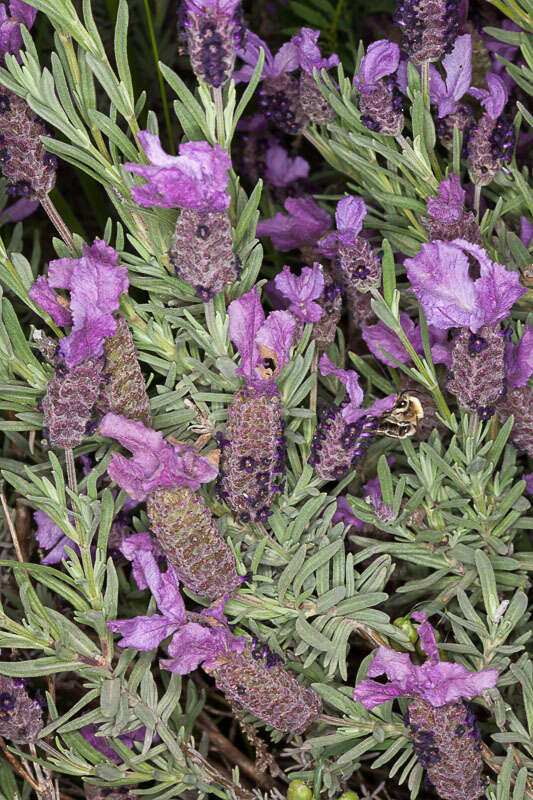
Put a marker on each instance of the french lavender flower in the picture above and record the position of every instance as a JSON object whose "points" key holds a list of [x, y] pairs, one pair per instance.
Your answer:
{"points": [[20, 716], [344, 432], [279, 96], [169, 475], [313, 297], [429, 27], [196, 181], [252, 465], [439, 277], [13, 14], [448, 218], [123, 388], [247, 672], [445, 93], [380, 101], [357, 263], [313, 102], [518, 399], [212, 33], [29, 170], [95, 282], [442, 727], [491, 141], [302, 226]]}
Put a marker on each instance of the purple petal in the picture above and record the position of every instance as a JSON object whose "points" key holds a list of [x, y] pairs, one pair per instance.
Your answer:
{"points": [[529, 482], [382, 58], [197, 178], [497, 288], [250, 55], [371, 693], [302, 290], [346, 514], [309, 55], [48, 532], [349, 378], [439, 277], [448, 206], [447, 683], [18, 211], [285, 60], [458, 66], [22, 12], [196, 644], [426, 634], [526, 231], [376, 336], [519, 360], [155, 463], [246, 316], [495, 98], [396, 666], [45, 297], [349, 216], [142, 633], [281, 169], [276, 335], [302, 226]]}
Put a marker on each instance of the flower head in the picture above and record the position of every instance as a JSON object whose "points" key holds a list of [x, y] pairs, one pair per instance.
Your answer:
{"points": [[446, 93], [96, 282], [281, 169], [353, 411], [259, 338], [309, 55], [519, 360], [302, 226], [302, 290], [493, 100], [196, 178], [448, 206], [349, 216], [156, 464], [382, 58], [435, 681], [440, 278]]}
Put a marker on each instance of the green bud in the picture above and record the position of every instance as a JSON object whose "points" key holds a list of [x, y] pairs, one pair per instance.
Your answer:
{"points": [[405, 625], [349, 795], [298, 790]]}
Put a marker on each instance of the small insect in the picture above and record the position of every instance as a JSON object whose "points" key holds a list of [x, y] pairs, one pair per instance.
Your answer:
{"points": [[403, 419]]}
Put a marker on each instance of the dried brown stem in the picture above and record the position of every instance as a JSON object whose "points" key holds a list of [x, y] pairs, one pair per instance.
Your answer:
{"points": [[490, 759], [57, 221], [17, 766], [12, 531]]}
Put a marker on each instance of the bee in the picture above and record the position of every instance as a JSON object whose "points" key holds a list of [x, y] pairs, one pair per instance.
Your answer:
{"points": [[403, 418]]}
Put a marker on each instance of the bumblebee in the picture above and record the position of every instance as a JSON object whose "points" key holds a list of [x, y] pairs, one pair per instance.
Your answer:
{"points": [[403, 418]]}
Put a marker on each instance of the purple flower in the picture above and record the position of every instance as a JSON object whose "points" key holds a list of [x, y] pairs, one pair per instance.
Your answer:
{"points": [[445, 94], [440, 278], [346, 514], [18, 211], [448, 206], [493, 100], [437, 682], [529, 482], [257, 338], [156, 463], [96, 282], [381, 59], [376, 336], [197, 178], [302, 226], [526, 231], [281, 169], [309, 55], [225, 7], [352, 411], [285, 60], [13, 14], [192, 643], [302, 290], [349, 216], [519, 360], [43, 294]]}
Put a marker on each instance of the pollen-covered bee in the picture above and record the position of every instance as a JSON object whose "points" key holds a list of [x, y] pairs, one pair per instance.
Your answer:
{"points": [[403, 418]]}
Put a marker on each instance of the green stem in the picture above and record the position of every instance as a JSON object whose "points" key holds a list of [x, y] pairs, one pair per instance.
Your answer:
{"points": [[160, 77], [425, 83], [314, 388], [477, 199], [219, 112]]}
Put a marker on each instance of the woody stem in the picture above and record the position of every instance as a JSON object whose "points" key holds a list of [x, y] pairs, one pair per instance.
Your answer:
{"points": [[57, 221]]}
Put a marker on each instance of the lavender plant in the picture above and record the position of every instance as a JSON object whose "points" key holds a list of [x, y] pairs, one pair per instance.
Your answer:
{"points": [[266, 402]]}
